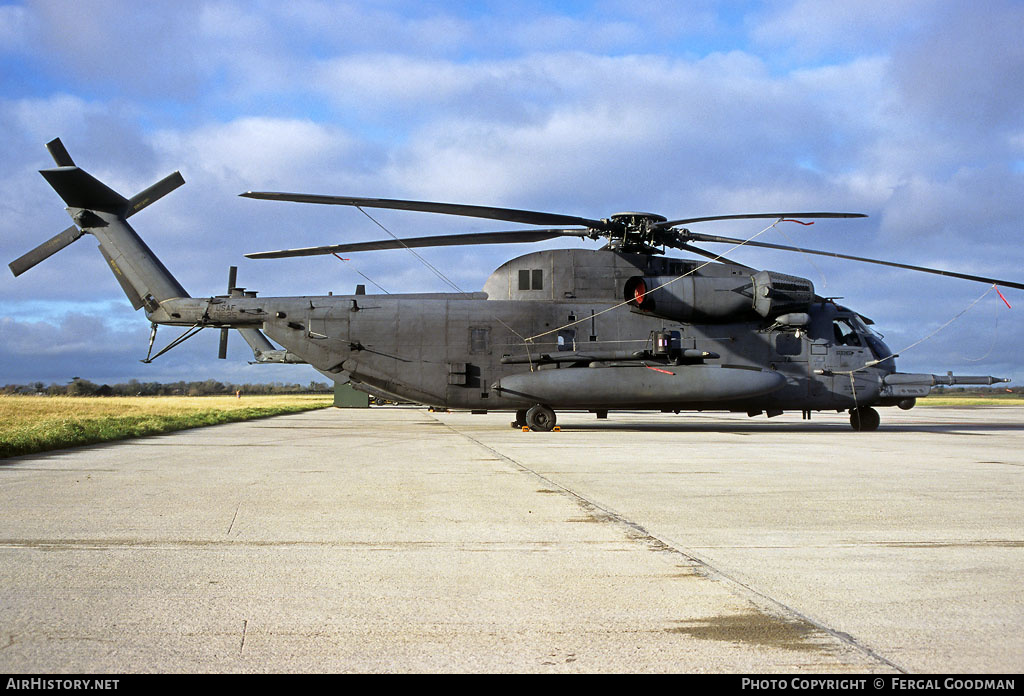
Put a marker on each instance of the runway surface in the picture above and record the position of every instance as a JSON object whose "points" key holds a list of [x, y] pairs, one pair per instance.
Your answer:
{"points": [[393, 539]]}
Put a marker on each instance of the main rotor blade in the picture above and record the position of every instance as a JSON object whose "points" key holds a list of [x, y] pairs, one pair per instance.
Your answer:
{"points": [[529, 217], [708, 254], [753, 216], [729, 240], [510, 237]]}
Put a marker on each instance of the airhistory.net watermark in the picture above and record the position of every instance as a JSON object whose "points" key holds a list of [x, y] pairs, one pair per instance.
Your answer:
{"points": [[47, 684]]}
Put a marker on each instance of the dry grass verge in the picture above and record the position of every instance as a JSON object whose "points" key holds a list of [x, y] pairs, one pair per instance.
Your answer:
{"points": [[30, 424], [954, 401]]}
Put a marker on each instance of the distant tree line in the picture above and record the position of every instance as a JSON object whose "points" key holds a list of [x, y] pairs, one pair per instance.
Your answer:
{"points": [[83, 387], [978, 391]]}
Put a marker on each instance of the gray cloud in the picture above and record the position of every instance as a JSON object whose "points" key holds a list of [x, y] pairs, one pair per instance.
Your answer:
{"points": [[964, 77], [102, 350]]}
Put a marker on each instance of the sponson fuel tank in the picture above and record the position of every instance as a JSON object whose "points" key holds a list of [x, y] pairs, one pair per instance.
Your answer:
{"points": [[637, 385]]}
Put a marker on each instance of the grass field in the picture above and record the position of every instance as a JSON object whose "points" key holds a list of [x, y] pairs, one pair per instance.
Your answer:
{"points": [[31, 424], [966, 400]]}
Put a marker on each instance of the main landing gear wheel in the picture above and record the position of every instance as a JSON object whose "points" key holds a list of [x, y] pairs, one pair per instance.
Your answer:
{"points": [[864, 418], [540, 419], [520, 420]]}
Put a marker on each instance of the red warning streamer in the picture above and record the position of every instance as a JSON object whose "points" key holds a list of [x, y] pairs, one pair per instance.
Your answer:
{"points": [[658, 369], [1001, 296], [799, 222]]}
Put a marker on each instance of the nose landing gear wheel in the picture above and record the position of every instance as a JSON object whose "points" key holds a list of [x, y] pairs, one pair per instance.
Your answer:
{"points": [[864, 418], [540, 419]]}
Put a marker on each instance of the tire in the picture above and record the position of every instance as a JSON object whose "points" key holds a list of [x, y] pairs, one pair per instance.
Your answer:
{"points": [[864, 419], [521, 417], [540, 419]]}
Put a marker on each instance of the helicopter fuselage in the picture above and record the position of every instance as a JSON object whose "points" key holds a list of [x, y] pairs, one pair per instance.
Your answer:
{"points": [[568, 329]]}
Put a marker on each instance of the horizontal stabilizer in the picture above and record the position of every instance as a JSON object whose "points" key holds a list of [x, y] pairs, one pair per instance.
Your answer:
{"points": [[264, 351], [45, 250], [80, 189], [256, 340], [154, 193]]}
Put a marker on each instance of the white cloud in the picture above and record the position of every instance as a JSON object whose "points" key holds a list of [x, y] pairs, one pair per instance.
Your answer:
{"points": [[809, 29], [908, 111], [259, 150], [14, 27]]}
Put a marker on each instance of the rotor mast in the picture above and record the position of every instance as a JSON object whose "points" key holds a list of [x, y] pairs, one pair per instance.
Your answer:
{"points": [[635, 233]]}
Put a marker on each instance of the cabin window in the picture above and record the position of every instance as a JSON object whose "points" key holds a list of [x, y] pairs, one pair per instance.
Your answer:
{"points": [[567, 339], [788, 344], [531, 279]]}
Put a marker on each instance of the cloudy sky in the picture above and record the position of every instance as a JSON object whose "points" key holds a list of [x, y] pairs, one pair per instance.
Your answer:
{"points": [[911, 112]]}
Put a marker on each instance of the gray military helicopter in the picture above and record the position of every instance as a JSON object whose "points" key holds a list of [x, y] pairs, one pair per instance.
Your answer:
{"points": [[621, 327]]}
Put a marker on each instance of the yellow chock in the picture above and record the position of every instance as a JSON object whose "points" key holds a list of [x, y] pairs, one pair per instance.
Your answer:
{"points": [[556, 429], [526, 428]]}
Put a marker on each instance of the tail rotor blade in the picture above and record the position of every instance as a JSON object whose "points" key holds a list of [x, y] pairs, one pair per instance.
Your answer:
{"points": [[45, 250], [153, 193], [59, 153], [222, 353]]}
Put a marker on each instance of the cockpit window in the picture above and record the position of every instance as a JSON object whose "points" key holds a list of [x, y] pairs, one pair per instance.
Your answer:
{"points": [[851, 331], [845, 333], [878, 347]]}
